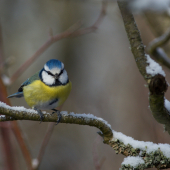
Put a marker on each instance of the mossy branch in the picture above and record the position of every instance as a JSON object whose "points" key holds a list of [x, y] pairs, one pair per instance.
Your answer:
{"points": [[134, 37], [155, 159], [20, 113]]}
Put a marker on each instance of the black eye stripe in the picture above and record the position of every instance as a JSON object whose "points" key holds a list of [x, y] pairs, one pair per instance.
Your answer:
{"points": [[61, 72], [49, 73]]}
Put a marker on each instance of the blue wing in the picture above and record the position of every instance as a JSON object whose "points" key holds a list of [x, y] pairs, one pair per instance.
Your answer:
{"points": [[27, 82]]}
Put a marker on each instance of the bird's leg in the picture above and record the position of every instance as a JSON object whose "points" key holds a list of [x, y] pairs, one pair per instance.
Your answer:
{"points": [[58, 114], [40, 113]]}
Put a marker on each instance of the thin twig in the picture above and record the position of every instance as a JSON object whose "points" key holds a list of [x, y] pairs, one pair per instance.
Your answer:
{"points": [[45, 141], [97, 163], [73, 32], [22, 144], [155, 50], [5, 132], [14, 125], [95, 26], [160, 55], [158, 42], [16, 131]]}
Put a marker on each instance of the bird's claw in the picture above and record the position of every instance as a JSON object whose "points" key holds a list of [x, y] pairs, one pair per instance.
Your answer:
{"points": [[58, 114], [40, 114], [59, 118], [41, 118]]}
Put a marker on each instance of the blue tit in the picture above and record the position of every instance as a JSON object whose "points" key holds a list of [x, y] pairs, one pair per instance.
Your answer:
{"points": [[46, 89]]}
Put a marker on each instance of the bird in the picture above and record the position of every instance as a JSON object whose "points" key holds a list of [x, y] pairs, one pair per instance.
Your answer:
{"points": [[46, 89]]}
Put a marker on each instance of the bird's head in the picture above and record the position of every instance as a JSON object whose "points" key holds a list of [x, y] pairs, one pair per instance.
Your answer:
{"points": [[53, 73]]}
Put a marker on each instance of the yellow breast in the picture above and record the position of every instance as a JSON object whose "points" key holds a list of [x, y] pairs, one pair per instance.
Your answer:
{"points": [[38, 93]]}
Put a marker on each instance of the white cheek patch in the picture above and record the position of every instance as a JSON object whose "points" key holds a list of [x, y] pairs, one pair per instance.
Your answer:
{"points": [[47, 79], [63, 77], [54, 71]]}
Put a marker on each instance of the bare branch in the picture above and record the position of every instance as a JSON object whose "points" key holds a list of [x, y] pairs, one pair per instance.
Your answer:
{"points": [[155, 50], [135, 40], [96, 161], [73, 32], [160, 55], [157, 83], [158, 42], [6, 139], [45, 142]]}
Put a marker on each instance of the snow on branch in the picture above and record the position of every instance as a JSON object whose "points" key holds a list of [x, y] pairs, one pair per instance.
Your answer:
{"points": [[133, 162], [21, 113], [157, 155], [153, 68], [145, 154], [150, 70], [154, 48]]}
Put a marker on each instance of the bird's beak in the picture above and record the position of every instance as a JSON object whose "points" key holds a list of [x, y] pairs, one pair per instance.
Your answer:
{"points": [[56, 76]]}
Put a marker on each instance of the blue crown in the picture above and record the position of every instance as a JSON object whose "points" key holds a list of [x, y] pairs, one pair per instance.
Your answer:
{"points": [[53, 63]]}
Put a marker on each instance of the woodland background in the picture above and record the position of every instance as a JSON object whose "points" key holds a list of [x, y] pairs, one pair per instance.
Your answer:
{"points": [[104, 75]]}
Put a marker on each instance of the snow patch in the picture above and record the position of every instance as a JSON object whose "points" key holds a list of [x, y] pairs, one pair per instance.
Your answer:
{"points": [[148, 146], [167, 104], [17, 108], [153, 68], [133, 161]]}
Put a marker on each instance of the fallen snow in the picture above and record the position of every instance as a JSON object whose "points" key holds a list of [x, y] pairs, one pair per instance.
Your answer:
{"points": [[133, 161], [148, 146], [167, 104], [153, 68]]}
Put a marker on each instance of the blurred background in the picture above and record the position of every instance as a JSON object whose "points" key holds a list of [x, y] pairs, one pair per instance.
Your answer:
{"points": [[103, 72]]}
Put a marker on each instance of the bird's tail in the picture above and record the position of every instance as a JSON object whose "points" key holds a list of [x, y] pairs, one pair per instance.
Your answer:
{"points": [[18, 95]]}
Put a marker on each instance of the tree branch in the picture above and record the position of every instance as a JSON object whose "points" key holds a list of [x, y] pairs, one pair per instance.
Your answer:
{"points": [[159, 41], [135, 40], [120, 143], [20, 113], [154, 155], [155, 50], [156, 82]]}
